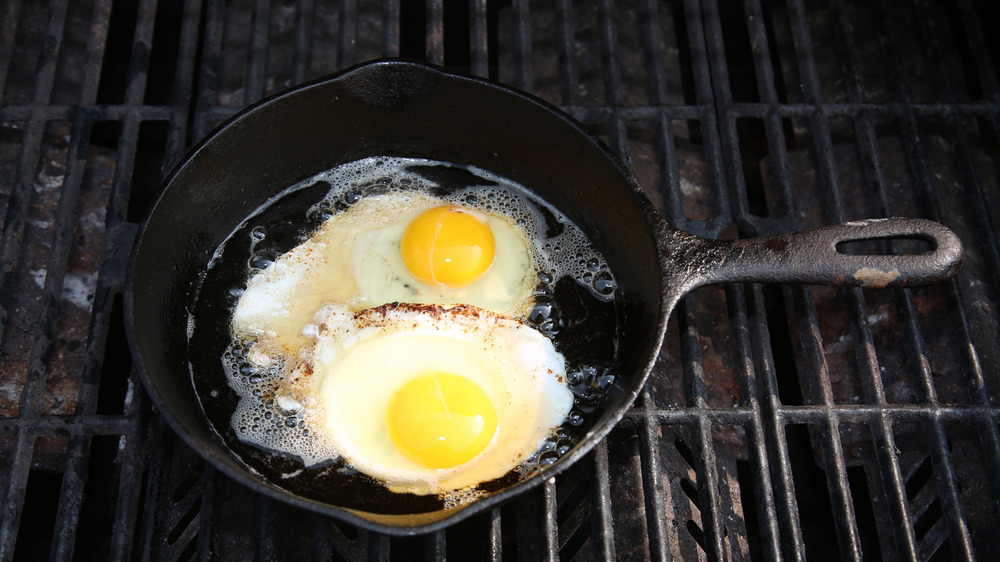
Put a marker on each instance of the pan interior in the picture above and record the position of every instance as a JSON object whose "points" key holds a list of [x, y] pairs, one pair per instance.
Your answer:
{"points": [[391, 109]]}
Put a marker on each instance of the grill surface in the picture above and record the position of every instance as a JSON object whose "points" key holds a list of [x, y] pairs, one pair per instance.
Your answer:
{"points": [[794, 422]]}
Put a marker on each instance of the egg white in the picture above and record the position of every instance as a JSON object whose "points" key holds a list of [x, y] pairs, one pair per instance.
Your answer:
{"points": [[382, 277], [354, 259], [358, 362]]}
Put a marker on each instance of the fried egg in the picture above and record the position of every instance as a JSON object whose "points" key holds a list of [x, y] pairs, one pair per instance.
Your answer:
{"points": [[395, 247], [435, 396], [426, 398], [444, 254]]}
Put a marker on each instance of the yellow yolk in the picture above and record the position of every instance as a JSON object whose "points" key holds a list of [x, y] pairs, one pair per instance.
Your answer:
{"points": [[449, 246], [441, 420]]}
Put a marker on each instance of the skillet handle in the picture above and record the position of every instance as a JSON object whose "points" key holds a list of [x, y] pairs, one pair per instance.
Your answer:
{"points": [[811, 256]]}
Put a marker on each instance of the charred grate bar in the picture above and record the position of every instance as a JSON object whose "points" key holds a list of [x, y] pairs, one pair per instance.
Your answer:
{"points": [[782, 422]]}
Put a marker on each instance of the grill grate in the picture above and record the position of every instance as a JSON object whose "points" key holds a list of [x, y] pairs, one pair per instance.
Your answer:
{"points": [[792, 422]]}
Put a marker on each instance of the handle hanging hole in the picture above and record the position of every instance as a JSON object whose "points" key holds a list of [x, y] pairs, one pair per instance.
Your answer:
{"points": [[898, 245]]}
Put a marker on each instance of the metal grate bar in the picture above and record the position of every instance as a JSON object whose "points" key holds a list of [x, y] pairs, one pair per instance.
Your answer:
{"points": [[764, 496], [704, 39], [773, 421], [435, 31], [813, 414], [265, 548], [891, 471], [601, 516], [436, 546], [694, 383], [66, 112], [944, 472], [565, 39], [49, 57], [973, 27], [669, 181], [984, 416], [13, 496], [139, 60], [378, 547], [702, 66], [178, 523], [781, 206], [636, 113], [257, 52], [124, 166], [609, 62], [968, 174], [75, 477], [95, 50], [651, 36], [840, 490], [495, 535], [829, 109], [348, 33], [20, 197], [9, 31], [320, 538], [303, 41], [183, 82], [697, 399], [986, 71], [71, 500], [612, 81], [523, 74], [818, 123], [135, 89], [478, 39], [729, 201], [829, 427], [75, 424], [390, 28], [155, 463], [669, 167], [934, 430], [709, 493], [111, 277], [652, 485], [130, 480], [206, 513], [915, 153], [208, 64], [871, 382], [885, 445], [551, 527], [869, 414], [44, 344]]}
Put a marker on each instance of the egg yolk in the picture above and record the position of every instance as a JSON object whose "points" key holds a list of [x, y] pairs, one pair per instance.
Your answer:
{"points": [[448, 246], [441, 420]]}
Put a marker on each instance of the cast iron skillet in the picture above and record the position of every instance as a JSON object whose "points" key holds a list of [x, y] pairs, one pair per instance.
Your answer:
{"points": [[393, 108]]}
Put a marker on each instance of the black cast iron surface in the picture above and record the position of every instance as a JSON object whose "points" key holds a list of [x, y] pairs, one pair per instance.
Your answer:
{"points": [[800, 422]]}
